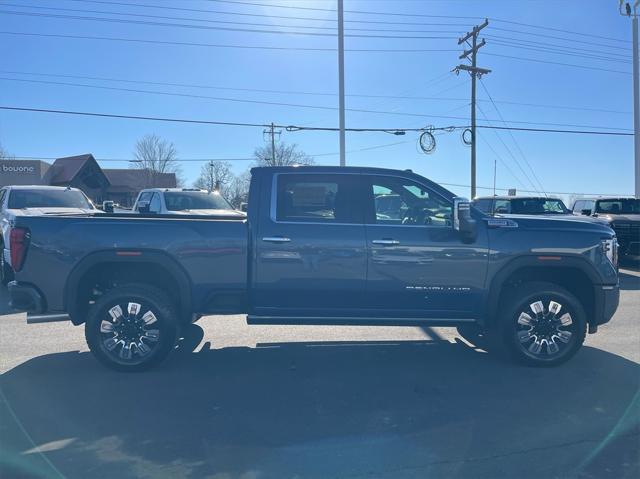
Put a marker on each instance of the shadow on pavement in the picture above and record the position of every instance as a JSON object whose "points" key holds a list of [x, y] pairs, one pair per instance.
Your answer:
{"points": [[398, 409]]}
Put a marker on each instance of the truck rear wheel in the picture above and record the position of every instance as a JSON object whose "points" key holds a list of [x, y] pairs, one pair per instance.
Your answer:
{"points": [[543, 324], [132, 327]]}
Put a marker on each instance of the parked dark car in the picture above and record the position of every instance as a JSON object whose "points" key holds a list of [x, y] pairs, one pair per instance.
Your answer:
{"points": [[521, 205], [314, 249], [622, 214]]}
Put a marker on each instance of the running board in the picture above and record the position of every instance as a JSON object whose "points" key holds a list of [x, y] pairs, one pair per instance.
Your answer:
{"points": [[47, 318], [355, 321]]}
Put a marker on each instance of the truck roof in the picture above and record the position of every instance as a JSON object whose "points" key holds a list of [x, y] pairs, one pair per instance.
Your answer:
{"points": [[178, 190], [40, 187], [362, 170], [506, 197]]}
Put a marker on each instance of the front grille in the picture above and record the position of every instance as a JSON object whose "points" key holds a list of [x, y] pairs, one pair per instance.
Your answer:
{"points": [[628, 236], [629, 230]]}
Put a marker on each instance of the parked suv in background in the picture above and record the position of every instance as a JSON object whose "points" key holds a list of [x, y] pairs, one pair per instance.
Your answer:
{"points": [[521, 205], [35, 200], [622, 214], [183, 201]]}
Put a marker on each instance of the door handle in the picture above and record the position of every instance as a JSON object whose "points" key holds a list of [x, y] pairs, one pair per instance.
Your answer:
{"points": [[387, 242], [276, 239]]}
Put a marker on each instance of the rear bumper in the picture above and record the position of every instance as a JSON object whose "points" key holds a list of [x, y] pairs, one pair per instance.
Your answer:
{"points": [[25, 297], [607, 300]]}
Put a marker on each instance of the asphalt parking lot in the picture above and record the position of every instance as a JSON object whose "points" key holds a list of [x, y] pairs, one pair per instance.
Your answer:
{"points": [[240, 401]]}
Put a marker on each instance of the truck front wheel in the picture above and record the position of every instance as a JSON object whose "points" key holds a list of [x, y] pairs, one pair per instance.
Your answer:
{"points": [[543, 324], [132, 327]]}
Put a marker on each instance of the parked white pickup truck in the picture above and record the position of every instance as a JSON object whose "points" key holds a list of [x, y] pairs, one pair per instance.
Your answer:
{"points": [[185, 201]]}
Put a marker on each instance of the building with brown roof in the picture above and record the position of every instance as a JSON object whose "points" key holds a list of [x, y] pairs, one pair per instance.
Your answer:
{"points": [[84, 172]]}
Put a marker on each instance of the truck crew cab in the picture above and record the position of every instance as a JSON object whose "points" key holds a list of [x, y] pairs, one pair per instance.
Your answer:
{"points": [[323, 245]]}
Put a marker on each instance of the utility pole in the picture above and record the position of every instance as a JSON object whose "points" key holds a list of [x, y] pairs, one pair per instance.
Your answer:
{"points": [[343, 161], [636, 88], [475, 72], [271, 131]]}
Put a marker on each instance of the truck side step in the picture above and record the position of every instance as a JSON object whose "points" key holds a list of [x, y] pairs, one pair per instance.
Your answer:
{"points": [[46, 318]]}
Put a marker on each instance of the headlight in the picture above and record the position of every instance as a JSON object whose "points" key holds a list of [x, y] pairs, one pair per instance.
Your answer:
{"points": [[610, 248]]}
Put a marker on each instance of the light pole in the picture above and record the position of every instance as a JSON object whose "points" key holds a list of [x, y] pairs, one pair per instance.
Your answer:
{"points": [[343, 161], [636, 87]]}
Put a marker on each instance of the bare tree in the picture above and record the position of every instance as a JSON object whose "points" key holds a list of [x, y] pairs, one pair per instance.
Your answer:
{"points": [[156, 155], [4, 154], [238, 190], [214, 173], [285, 155]]}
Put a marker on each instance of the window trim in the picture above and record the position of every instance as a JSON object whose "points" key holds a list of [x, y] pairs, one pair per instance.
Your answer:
{"points": [[368, 179]]}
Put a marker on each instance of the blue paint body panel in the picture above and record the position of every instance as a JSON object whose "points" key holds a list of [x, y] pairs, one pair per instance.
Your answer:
{"points": [[330, 270]]}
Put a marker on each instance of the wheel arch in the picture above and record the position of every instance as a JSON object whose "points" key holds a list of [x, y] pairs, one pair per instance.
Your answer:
{"points": [[148, 266], [575, 274]]}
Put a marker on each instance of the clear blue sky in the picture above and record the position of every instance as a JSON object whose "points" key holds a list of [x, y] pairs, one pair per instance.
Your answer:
{"points": [[565, 163]]}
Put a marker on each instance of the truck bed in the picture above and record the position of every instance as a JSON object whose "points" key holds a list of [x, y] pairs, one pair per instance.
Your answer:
{"points": [[210, 251]]}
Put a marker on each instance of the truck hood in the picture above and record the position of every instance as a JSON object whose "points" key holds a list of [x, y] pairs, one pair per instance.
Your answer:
{"points": [[53, 211], [631, 218], [562, 222], [229, 213]]}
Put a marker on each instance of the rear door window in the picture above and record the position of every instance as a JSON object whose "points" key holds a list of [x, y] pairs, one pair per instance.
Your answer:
{"points": [[318, 198]]}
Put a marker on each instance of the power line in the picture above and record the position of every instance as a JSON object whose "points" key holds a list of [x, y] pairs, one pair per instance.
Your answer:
{"points": [[513, 157], [263, 15], [277, 48], [368, 148], [556, 51], [559, 48], [570, 32], [555, 130], [504, 163], [486, 90], [283, 104], [309, 93], [535, 60], [215, 45], [531, 191], [237, 2], [235, 100], [205, 27], [228, 22], [571, 41], [304, 128]]}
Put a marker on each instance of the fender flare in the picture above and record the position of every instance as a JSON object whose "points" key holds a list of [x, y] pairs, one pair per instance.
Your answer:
{"points": [[532, 260], [159, 258]]}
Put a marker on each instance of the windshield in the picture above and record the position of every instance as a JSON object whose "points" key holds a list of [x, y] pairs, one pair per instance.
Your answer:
{"points": [[619, 206], [19, 199], [538, 206], [195, 200]]}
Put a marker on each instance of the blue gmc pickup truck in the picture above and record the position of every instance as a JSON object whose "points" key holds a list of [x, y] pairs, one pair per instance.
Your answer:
{"points": [[322, 245]]}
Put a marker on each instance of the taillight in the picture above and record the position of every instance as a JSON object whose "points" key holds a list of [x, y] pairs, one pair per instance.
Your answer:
{"points": [[18, 243]]}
